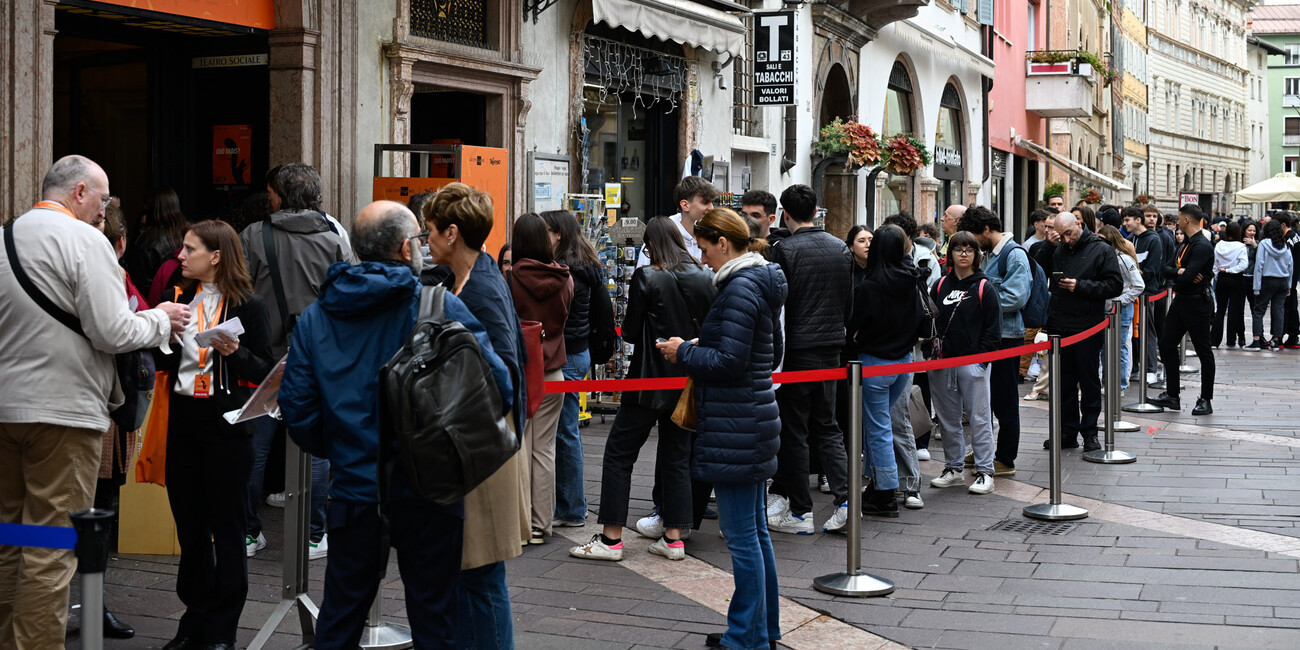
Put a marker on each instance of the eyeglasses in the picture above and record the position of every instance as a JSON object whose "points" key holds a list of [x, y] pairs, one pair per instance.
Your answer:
{"points": [[104, 199], [964, 252], [423, 237]]}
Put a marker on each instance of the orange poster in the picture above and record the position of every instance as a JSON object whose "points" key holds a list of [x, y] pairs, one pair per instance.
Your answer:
{"points": [[249, 13], [401, 189], [488, 170], [232, 145]]}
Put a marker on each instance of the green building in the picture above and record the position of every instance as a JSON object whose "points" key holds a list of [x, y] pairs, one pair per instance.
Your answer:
{"points": [[1279, 26]]}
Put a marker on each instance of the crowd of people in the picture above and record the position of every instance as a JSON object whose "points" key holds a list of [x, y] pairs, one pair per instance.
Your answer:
{"points": [[721, 297]]}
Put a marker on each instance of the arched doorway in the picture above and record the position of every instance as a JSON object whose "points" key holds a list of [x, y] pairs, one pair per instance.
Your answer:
{"points": [[949, 150], [900, 117], [837, 187]]}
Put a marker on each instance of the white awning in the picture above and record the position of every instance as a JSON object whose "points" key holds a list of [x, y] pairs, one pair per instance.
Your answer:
{"points": [[1074, 168], [683, 21], [944, 46]]}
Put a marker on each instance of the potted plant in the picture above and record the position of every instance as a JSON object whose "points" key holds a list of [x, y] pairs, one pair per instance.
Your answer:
{"points": [[858, 142], [1090, 195], [1053, 189], [1142, 199], [903, 154], [832, 140]]}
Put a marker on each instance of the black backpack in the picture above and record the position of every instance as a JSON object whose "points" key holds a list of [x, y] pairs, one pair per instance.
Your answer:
{"points": [[438, 402]]}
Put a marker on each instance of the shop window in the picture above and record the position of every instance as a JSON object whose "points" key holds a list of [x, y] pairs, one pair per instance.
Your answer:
{"points": [[898, 119], [454, 21], [1289, 163]]}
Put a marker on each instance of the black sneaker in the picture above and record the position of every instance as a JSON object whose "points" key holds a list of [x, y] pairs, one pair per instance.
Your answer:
{"points": [[1256, 345], [1202, 407], [1167, 401], [714, 640], [1090, 443], [1066, 443]]}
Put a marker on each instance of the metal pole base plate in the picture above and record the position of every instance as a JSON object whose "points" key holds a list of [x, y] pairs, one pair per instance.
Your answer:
{"points": [[1109, 457], [1124, 426], [1143, 407], [386, 636], [860, 586], [1057, 512]]}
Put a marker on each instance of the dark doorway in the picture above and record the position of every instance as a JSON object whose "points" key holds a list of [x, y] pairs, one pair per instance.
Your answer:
{"points": [[439, 117], [837, 186]]}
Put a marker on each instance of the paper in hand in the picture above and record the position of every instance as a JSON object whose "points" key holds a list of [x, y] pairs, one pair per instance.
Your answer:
{"points": [[230, 329]]}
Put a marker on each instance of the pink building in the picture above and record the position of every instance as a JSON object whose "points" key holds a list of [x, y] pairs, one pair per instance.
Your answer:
{"points": [[1016, 181]]}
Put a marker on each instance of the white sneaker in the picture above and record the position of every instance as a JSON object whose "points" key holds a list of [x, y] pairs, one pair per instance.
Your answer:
{"points": [[275, 500], [983, 484], [788, 522], [913, 501], [823, 484], [923, 454], [777, 505], [1151, 378], [949, 478], [839, 520], [597, 550], [254, 544], [671, 550], [318, 550], [652, 526]]}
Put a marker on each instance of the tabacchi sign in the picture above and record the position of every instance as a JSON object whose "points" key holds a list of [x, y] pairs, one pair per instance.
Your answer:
{"points": [[774, 58]]}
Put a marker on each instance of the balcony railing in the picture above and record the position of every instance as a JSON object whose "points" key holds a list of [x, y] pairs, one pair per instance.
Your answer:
{"points": [[1291, 140], [1291, 101]]}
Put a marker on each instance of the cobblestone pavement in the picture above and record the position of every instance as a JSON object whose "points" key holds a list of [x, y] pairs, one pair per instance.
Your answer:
{"points": [[1193, 546]]}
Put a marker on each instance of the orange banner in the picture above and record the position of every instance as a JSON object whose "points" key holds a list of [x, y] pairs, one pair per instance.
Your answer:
{"points": [[249, 13]]}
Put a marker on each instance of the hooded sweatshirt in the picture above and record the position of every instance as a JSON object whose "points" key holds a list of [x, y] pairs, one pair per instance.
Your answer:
{"points": [[1231, 257], [970, 316], [1271, 262], [543, 293], [887, 313]]}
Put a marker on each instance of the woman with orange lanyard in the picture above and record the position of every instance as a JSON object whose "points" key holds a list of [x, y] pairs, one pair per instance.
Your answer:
{"points": [[209, 460]]}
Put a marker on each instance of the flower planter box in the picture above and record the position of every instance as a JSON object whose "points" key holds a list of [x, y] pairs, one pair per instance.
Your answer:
{"points": [[1060, 95]]}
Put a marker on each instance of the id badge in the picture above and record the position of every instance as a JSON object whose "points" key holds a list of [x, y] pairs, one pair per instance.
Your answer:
{"points": [[202, 385]]}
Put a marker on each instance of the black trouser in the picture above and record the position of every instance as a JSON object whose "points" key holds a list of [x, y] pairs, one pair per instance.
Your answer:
{"points": [[1155, 325], [627, 436], [1189, 315], [1292, 322], [209, 463], [1271, 298], [1080, 397], [1004, 397], [808, 421], [428, 540], [1230, 303]]}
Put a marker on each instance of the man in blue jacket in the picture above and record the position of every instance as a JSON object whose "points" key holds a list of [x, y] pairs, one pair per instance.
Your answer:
{"points": [[330, 401], [1010, 272]]}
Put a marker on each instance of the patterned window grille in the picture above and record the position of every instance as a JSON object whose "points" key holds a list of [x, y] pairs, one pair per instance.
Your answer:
{"points": [[454, 21], [744, 115]]}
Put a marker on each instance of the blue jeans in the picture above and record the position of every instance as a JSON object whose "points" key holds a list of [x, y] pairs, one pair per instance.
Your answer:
{"points": [[570, 500], [753, 618], [1126, 349], [484, 621], [878, 397], [263, 436]]}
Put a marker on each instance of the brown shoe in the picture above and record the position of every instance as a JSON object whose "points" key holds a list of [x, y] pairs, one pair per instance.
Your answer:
{"points": [[1002, 469]]}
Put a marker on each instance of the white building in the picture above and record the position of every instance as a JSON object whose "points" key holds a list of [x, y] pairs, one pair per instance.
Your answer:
{"points": [[1258, 140]]}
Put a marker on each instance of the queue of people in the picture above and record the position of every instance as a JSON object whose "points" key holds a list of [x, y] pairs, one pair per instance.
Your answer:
{"points": [[723, 299]]}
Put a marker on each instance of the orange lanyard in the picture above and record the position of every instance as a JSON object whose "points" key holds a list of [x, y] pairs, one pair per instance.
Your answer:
{"points": [[461, 286], [57, 207], [202, 325]]}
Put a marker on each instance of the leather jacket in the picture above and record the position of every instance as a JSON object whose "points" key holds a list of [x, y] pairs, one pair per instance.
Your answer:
{"points": [[663, 304]]}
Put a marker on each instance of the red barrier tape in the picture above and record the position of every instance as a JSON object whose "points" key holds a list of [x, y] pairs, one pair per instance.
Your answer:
{"points": [[1158, 296], [829, 374]]}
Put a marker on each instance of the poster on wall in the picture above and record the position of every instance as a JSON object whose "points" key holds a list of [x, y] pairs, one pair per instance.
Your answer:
{"points": [[774, 58], [548, 180], [232, 145]]}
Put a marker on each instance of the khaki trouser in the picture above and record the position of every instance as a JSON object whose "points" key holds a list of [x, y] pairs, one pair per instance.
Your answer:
{"points": [[46, 473], [539, 448], [1026, 358]]}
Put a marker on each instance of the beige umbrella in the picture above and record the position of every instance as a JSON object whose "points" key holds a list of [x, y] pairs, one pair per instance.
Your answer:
{"points": [[1282, 187]]}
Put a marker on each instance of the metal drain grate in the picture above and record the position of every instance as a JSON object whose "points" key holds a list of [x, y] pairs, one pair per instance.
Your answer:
{"points": [[1028, 527]]}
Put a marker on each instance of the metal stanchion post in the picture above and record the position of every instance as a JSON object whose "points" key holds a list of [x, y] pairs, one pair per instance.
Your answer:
{"points": [[853, 582], [1183, 368], [378, 635], [1107, 454], [297, 523], [1112, 397], [1054, 510], [92, 559], [1142, 405]]}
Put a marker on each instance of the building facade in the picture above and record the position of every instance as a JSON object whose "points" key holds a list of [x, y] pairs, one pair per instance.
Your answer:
{"points": [[1199, 141], [1277, 29]]}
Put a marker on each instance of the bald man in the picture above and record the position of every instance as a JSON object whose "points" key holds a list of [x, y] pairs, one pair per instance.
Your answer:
{"points": [[1084, 273], [56, 376], [330, 402]]}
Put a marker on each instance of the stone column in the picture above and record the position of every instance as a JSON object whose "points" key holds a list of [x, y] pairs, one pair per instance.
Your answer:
{"points": [[926, 186], [26, 102], [313, 107]]}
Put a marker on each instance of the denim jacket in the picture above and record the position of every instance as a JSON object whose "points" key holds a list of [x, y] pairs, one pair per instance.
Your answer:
{"points": [[1013, 287]]}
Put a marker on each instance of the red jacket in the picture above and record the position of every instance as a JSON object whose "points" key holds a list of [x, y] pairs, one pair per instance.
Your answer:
{"points": [[543, 292]]}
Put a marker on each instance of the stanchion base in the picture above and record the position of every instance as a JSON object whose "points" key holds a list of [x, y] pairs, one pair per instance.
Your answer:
{"points": [[1109, 457], [386, 636], [1187, 370], [860, 586], [1142, 407], [1058, 512], [1125, 426]]}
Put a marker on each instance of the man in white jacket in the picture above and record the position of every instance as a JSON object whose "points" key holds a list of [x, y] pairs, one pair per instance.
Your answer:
{"points": [[56, 384]]}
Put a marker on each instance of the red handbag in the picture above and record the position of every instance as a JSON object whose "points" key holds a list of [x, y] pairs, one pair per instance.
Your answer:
{"points": [[535, 369]]}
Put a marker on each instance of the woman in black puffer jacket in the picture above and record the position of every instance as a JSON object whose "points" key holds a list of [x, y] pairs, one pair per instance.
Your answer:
{"points": [[738, 421], [589, 294]]}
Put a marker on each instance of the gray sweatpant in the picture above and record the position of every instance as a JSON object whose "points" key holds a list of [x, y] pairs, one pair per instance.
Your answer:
{"points": [[909, 472], [953, 389]]}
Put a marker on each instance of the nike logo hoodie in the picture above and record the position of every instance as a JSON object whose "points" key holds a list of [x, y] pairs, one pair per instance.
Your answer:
{"points": [[969, 322]]}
